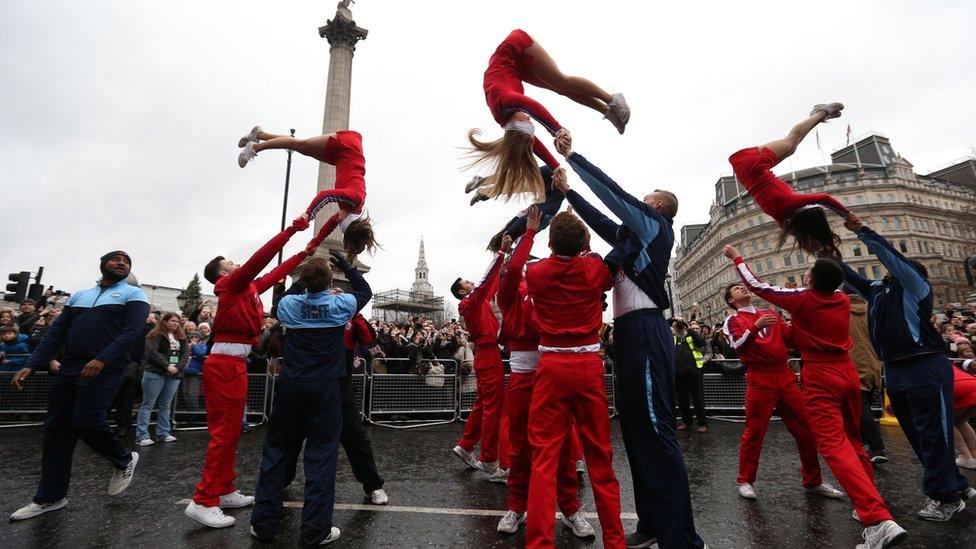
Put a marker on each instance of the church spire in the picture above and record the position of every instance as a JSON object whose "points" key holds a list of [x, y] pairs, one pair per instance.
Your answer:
{"points": [[421, 284]]}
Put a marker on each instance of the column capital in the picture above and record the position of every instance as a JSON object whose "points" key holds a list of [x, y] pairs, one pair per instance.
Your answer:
{"points": [[342, 31]]}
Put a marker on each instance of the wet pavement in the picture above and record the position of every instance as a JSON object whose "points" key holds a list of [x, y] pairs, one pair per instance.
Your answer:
{"points": [[458, 505]]}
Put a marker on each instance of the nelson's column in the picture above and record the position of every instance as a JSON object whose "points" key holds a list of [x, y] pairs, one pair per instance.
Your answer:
{"points": [[343, 34]]}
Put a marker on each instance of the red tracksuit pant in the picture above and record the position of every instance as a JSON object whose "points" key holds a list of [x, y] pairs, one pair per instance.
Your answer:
{"points": [[767, 388], [833, 393], [569, 386], [225, 393], [484, 422], [518, 398]]}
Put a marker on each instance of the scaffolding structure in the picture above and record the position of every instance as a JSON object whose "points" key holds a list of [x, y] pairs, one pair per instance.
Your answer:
{"points": [[400, 305]]}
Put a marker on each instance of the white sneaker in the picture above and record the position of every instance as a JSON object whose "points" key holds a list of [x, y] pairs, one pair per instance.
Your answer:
{"points": [[122, 478], [145, 442], [886, 533], [498, 475], [235, 500], [210, 516], [475, 182], [510, 522], [467, 457], [580, 467], [826, 491], [379, 497], [936, 511], [255, 534], [168, 438], [747, 491], [618, 113], [854, 516], [967, 493], [832, 110], [333, 535], [247, 153], [33, 509], [488, 467], [579, 525], [965, 463], [251, 137]]}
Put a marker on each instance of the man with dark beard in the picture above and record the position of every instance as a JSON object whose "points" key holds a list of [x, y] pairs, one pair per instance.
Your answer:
{"points": [[96, 330]]}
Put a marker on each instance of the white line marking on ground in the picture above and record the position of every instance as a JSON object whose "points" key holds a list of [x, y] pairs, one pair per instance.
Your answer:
{"points": [[423, 510]]}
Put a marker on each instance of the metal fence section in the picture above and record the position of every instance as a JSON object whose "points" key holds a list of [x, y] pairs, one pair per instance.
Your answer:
{"points": [[413, 400], [27, 406], [190, 412]]}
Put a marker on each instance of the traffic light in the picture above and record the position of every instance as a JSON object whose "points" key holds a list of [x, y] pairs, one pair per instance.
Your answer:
{"points": [[20, 281]]}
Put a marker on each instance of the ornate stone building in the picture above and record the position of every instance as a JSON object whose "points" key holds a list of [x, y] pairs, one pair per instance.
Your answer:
{"points": [[929, 218], [399, 305]]}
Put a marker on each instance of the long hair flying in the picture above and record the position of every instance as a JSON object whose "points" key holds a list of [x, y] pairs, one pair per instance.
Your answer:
{"points": [[513, 162], [811, 231]]}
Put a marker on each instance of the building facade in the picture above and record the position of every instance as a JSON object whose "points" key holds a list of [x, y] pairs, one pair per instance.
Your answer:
{"points": [[929, 218], [399, 305]]}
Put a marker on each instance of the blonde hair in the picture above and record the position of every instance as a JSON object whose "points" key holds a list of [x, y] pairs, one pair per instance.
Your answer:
{"points": [[515, 168]]}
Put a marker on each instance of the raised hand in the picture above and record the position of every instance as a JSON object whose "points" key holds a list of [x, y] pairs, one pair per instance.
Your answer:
{"points": [[506, 245], [559, 180], [534, 218], [853, 223], [766, 320], [563, 142], [730, 252], [300, 223], [339, 261]]}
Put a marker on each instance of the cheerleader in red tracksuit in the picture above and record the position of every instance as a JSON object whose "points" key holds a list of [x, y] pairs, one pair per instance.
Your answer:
{"points": [[567, 293], [520, 59], [759, 338], [344, 150], [964, 408], [520, 335], [821, 321], [798, 215]]}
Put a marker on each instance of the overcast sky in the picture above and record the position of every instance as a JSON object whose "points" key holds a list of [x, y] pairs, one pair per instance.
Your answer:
{"points": [[119, 120]]}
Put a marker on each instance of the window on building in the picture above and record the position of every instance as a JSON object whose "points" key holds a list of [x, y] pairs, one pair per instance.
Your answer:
{"points": [[878, 199], [787, 261], [800, 258], [791, 279], [759, 266], [891, 197], [755, 247], [885, 223], [898, 224], [769, 264], [846, 200], [859, 199], [862, 272], [903, 246], [875, 271], [856, 250]]}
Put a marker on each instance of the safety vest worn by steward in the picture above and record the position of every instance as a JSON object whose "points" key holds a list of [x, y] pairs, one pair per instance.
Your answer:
{"points": [[699, 357]]}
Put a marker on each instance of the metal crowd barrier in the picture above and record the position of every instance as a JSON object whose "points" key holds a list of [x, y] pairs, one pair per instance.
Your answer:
{"points": [[411, 399], [190, 413], [27, 406]]}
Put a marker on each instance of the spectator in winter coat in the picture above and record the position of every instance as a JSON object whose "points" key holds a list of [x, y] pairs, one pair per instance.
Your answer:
{"points": [[869, 370], [167, 353], [28, 315], [190, 386], [12, 342]]}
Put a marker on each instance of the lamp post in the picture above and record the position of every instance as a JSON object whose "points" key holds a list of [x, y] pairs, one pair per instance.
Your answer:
{"points": [[284, 204]]}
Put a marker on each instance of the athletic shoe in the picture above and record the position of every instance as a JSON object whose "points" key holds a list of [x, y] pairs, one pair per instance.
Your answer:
{"points": [[168, 438], [747, 491], [475, 182], [967, 493], [580, 467], [832, 110], [235, 500], [636, 540], [826, 491], [254, 535], [33, 509], [478, 197], [510, 522], [854, 516], [702, 429], [467, 457], [498, 475], [145, 442], [210, 516], [247, 153], [965, 463], [488, 467], [333, 535], [121, 478], [579, 525], [379, 497], [878, 456], [682, 427], [936, 511], [251, 137], [886, 533], [618, 113]]}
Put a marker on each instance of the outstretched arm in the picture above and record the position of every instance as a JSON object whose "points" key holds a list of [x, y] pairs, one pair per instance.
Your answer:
{"points": [[854, 280], [893, 260], [360, 288], [508, 286], [825, 200], [246, 273], [784, 297], [485, 290]]}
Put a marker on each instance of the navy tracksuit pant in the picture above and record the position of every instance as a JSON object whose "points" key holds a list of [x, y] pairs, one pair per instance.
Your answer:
{"points": [[644, 354], [309, 412], [78, 409], [920, 391]]}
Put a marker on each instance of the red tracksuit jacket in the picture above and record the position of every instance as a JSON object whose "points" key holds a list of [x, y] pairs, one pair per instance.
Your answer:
{"points": [[475, 308], [758, 347], [517, 331], [821, 320], [566, 293], [240, 312]]}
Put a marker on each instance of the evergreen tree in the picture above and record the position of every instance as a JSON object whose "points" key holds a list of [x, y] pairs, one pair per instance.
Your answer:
{"points": [[192, 295]]}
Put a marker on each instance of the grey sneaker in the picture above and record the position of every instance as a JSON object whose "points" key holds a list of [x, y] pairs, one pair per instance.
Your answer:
{"points": [[32, 509], [475, 182], [333, 535], [826, 491], [486, 466], [466, 456], [478, 197], [747, 491], [967, 493], [618, 113], [886, 533], [251, 137], [247, 153], [936, 511], [579, 525], [965, 463], [121, 478], [832, 110], [636, 540], [510, 522], [379, 497]]}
